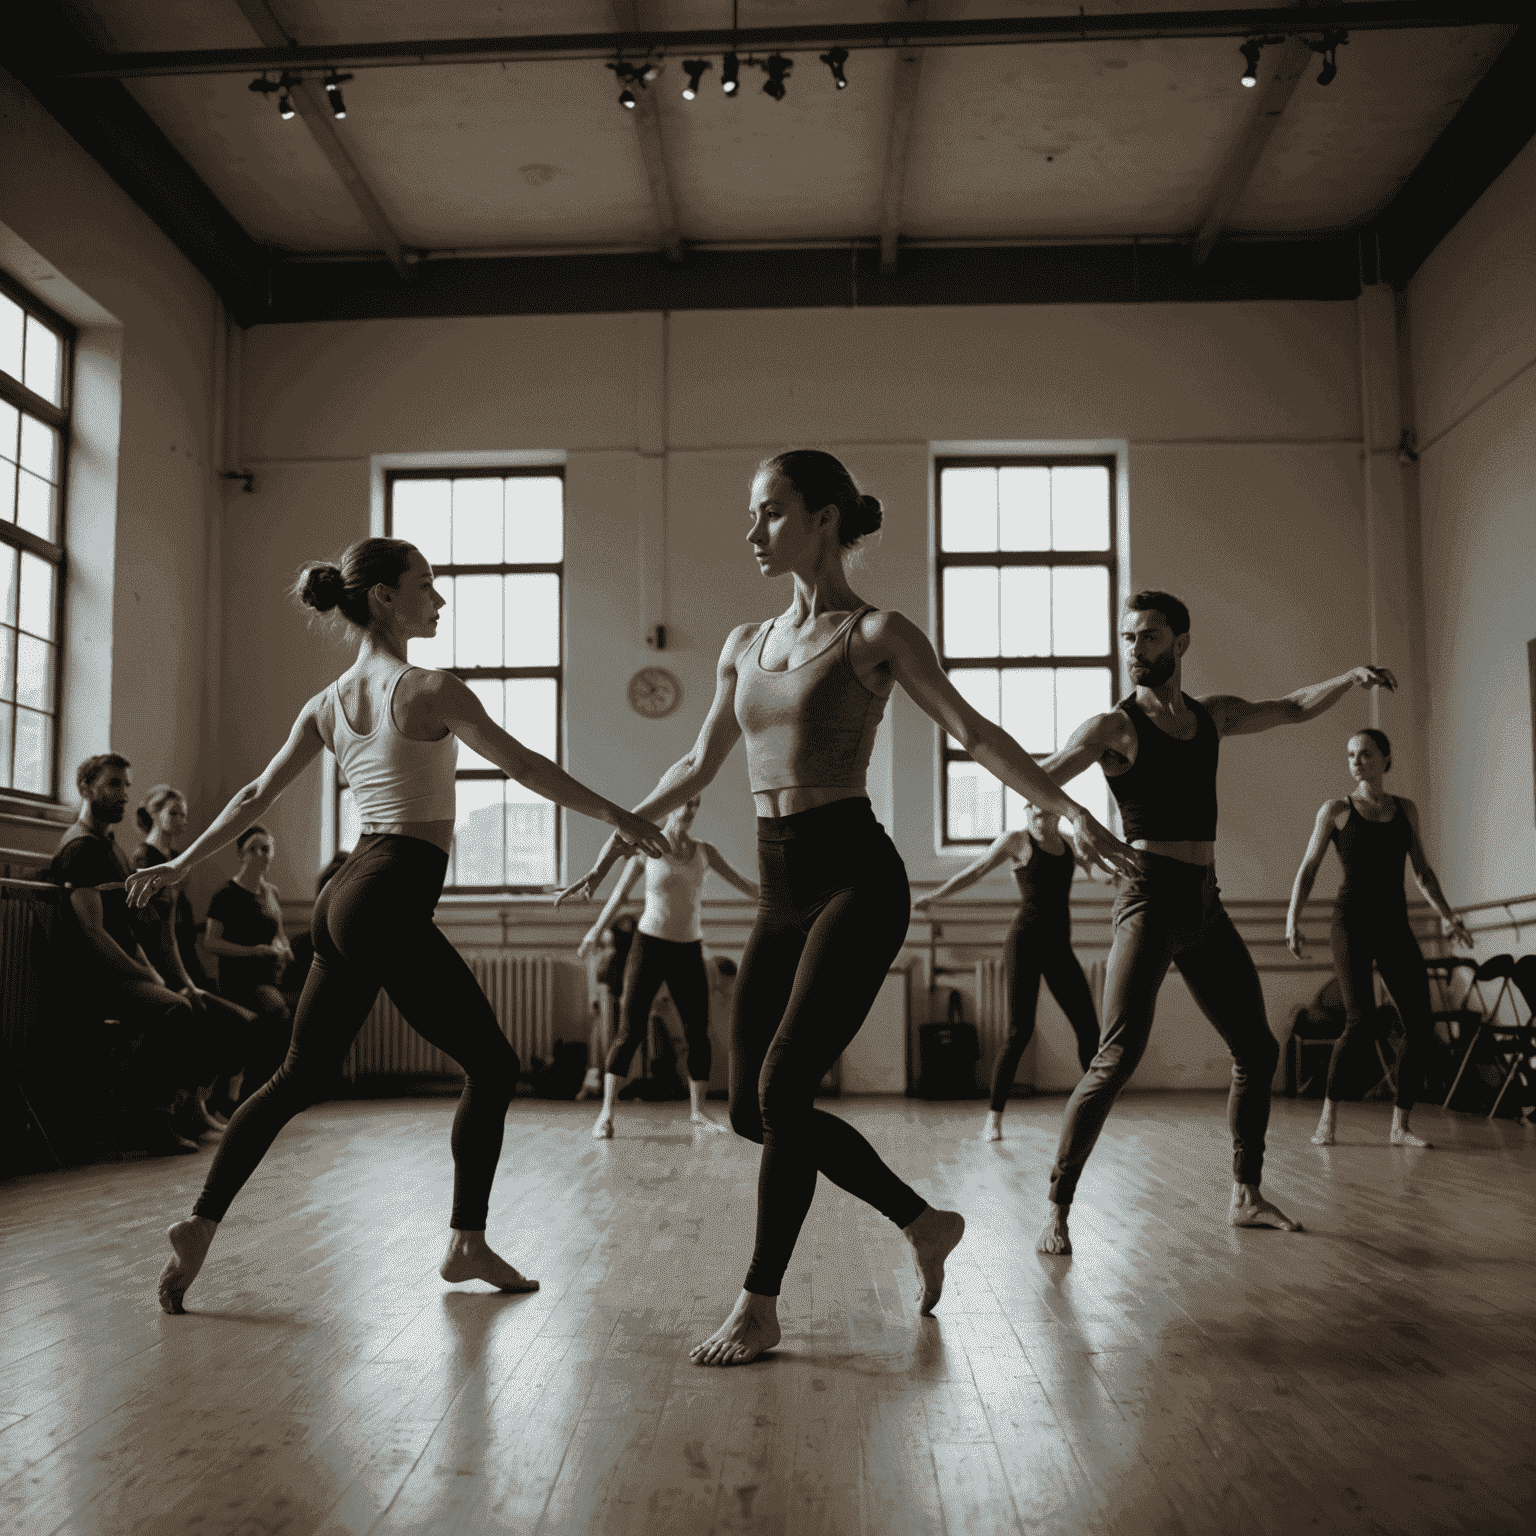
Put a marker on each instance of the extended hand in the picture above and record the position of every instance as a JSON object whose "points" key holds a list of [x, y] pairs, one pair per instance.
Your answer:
{"points": [[1097, 846], [920, 906], [1296, 943], [584, 889], [588, 943], [1374, 677], [196, 996], [143, 885], [1457, 932], [643, 835]]}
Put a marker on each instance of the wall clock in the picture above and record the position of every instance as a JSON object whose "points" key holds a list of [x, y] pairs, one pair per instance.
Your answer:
{"points": [[654, 693]]}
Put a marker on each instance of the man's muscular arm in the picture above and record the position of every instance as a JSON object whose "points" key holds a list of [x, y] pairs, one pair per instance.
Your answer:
{"points": [[1108, 740], [1242, 717]]}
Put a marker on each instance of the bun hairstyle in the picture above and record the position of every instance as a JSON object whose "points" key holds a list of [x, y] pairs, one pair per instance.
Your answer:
{"points": [[153, 801], [1382, 741], [366, 564], [822, 481]]}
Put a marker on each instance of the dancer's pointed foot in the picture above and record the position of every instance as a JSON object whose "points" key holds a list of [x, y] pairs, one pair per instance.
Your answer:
{"points": [[1055, 1238], [603, 1130], [751, 1330], [1403, 1137], [705, 1122], [470, 1257], [1250, 1209], [1323, 1135], [933, 1236], [993, 1129], [190, 1241]]}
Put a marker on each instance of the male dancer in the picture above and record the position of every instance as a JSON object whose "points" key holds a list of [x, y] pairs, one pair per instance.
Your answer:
{"points": [[1158, 748]]}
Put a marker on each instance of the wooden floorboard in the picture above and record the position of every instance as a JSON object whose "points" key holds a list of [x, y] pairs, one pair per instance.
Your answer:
{"points": [[1373, 1375]]}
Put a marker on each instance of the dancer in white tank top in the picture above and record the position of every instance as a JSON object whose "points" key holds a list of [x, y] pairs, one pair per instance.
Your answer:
{"points": [[667, 948]]}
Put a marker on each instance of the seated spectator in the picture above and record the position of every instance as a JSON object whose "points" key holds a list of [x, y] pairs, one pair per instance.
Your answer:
{"points": [[163, 816], [245, 931], [114, 976]]}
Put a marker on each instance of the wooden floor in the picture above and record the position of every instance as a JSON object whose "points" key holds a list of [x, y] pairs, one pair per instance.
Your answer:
{"points": [[1374, 1374]]}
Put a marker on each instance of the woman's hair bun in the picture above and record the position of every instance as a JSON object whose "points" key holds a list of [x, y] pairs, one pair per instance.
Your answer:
{"points": [[145, 820], [321, 586], [867, 518]]}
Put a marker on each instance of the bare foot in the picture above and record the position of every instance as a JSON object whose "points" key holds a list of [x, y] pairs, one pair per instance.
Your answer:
{"points": [[1323, 1135], [993, 1129], [190, 1241], [1403, 1137], [750, 1330], [707, 1122], [933, 1235], [1250, 1209], [1055, 1238], [470, 1257], [603, 1130]]}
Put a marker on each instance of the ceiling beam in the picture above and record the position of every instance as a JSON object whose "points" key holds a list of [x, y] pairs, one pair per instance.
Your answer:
{"points": [[311, 105], [647, 116], [898, 142], [1361, 16], [1279, 71]]}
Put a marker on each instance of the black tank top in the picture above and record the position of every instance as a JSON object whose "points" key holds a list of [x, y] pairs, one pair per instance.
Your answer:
{"points": [[1045, 886], [1169, 793], [1372, 853]]}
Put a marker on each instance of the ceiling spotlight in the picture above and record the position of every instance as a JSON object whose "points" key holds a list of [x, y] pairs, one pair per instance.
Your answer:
{"points": [[333, 85], [649, 73], [778, 68], [285, 106], [695, 69], [730, 74], [1251, 51], [834, 60], [627, 98], [1329, 48]]}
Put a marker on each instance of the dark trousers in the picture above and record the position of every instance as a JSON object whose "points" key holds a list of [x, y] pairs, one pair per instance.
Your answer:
{"points": [[373, 928], [652, 961], [1172, 913], [1034, 951], [1388, 941], [178, 1047], [832, 916], [271, 1033]]}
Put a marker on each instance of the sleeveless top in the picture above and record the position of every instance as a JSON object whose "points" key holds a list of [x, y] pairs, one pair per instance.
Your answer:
{"points": [[1372, 853], [1045, 885], [811, 726], [672, 889], [392, 777], [1169, 793]]}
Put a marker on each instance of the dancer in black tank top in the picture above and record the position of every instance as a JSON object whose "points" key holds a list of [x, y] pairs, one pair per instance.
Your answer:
{"points": [[1038, 945], [1375, 833], [1159, 750]]}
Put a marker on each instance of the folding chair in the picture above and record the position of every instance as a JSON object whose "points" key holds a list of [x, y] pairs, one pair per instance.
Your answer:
{"points": [[1463, 1022], [1518, 1038]]}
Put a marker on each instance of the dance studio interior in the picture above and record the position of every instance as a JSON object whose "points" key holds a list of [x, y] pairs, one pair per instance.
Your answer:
{"points": [[606, 399]]}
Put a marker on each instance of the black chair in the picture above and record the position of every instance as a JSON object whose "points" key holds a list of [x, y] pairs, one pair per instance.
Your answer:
{"points": [[1463, 1022], [1320, 1023], [1516, 1042]]}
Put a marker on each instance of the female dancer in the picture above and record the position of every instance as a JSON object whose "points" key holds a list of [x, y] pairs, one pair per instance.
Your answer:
{"points": [[669, 947], [394, 729], [1039, 943], [1373, 832], [807, 690]]}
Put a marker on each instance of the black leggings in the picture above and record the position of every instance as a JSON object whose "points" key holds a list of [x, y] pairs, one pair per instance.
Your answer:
{"points": [[831, 918], [373, 927], [1035, 950], [1390, 943], [1172, 912], [653, 961]]}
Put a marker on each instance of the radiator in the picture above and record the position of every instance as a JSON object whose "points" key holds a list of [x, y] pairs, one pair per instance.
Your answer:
{"points": [[521, 993], [26, 929], [992, 1006]]}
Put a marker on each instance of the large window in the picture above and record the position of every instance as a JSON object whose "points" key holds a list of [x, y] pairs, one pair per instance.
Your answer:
{"points": [[1026, 608], [496, 542], [35, 348]]}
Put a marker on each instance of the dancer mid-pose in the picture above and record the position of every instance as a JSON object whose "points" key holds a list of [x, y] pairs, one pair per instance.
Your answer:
{"points": [[669, 947], [1039, 944], [395, 730], [807, 690], [1158, 748], [1374, 833]]}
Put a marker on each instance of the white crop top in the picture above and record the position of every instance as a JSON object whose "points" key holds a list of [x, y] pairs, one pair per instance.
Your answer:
{"points": [[672, 887], [394, 778]]}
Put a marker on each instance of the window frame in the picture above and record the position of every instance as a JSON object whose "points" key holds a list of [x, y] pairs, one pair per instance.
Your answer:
{"points": [[474, 674], [1109, 558], [16, 393]]}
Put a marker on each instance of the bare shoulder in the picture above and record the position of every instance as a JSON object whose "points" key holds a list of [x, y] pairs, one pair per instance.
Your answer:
{"points": [[735, 642], [1331, 810], [1112, 731]]}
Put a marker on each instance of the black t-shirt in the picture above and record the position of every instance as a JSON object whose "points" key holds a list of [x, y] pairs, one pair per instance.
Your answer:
{"points": [[246, 919], [175, 911], [87, 858]]}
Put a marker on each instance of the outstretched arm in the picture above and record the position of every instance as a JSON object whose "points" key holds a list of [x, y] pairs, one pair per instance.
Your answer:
{"points": [[1427, 881], [1242, 717], [1009, 845], [621, 890], [723, 867], [1311, 862]]}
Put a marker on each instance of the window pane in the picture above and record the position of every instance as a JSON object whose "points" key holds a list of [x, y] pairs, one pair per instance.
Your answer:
{"points": [[1026, 609], [530, 838], [477, 834], [12, 319], [8, 560], [7, 663], [1029, 707], [975, 802], [34, 751], [35, 503], [10, 427], [349, 824], [7, 491], [437, 651], [489, 691], [1024, 507], [476, 621], [7, 735], [535, 519], [477, 525], [44, 356], [34, 672], [1080, 610], [36, 606], [531, 713], [421, 514], [978, 687], [1015, 807], [1080, 692], [970, 611], [533, 620], [1080, 507], [968, 510]]}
